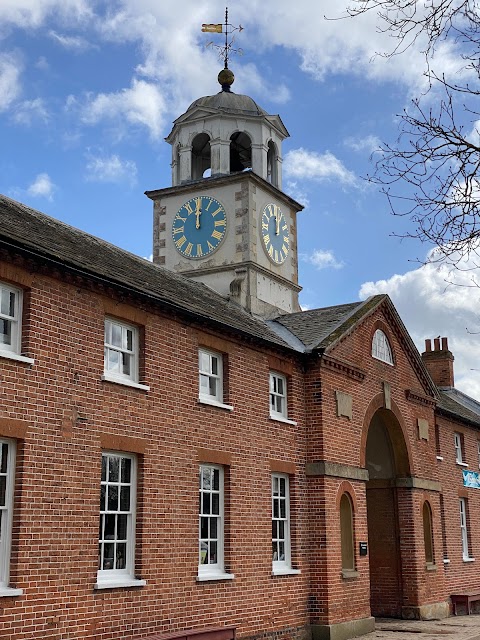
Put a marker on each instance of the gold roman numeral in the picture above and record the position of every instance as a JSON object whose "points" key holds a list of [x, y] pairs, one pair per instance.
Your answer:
{"points": [[199, 251], [180, 242], [188, 207], [217, 211], [217, 235], [188, 249], [178, 230], [220, 223]]}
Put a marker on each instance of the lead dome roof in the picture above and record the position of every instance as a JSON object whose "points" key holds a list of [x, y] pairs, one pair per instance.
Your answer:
{"points": [[229, 102]]}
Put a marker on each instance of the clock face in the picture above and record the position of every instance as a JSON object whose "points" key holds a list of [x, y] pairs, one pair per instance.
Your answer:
{"points": [[199, 227], [274, 232]]}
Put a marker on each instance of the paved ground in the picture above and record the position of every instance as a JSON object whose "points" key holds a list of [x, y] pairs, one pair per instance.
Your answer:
{"points": [[454, 628]]}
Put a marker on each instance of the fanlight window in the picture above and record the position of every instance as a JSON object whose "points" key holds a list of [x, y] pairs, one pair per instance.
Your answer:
{"points": [[381, 349]]}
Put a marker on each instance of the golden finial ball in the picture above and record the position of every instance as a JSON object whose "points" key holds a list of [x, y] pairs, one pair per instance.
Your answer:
{"points": [[226, 77]]}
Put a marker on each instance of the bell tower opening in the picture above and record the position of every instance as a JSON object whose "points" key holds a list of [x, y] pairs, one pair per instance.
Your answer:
{"points": [[201, 155], [272, 160], [240, 152]]}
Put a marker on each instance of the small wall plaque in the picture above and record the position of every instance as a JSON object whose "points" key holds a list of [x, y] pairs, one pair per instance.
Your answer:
{"points": [[363, 548]]}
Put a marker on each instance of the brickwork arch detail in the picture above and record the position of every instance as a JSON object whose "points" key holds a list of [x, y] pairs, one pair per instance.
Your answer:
{"points": [[397, 431]]}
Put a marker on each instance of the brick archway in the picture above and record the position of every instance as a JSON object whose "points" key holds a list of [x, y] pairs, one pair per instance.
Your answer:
{"points": [[385, 454]]}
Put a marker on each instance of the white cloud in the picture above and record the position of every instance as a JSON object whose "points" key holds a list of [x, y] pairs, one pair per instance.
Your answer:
{"points": [[430, 306], [10, 70], [29, 14], [29, 110], [140, 105], [322, 259], [368, 143], [310, 165], [42, 187], [74, 43], [111, 169]]}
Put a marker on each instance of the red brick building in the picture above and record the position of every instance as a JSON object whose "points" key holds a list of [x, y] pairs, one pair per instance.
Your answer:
{"points": [[182, 461]]}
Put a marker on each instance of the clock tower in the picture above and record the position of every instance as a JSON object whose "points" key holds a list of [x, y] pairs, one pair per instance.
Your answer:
{"points": [[225, 221]]}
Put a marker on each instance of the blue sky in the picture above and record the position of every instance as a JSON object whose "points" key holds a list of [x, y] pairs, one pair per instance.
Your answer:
{"points": [[89, 89]]}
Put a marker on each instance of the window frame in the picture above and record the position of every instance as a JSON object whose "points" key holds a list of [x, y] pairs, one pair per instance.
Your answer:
{"points": [[13, 351], [381, 348], [214, 570], [464, 529], [273, 414], [7, 519], [216, 399], [109, 578], [459, 448], [131, 379], [281, 567]]}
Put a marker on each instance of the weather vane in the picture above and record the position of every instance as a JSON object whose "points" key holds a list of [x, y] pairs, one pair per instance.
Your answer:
{"points": [[226, 50]]}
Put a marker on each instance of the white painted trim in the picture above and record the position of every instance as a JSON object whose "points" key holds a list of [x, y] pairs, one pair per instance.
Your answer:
{"points": [[440, 458], [214, 403], [446, 561], [107, 377], [468, 559], [116, 584], [16, 356]]}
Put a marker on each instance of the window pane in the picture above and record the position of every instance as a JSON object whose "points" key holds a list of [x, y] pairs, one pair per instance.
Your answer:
{"points": [[206, 503], [113, 363], [125, 499], [213, 553], [126, 360], [3, 489], [126, 469], [214, 362], [113, 469], [212, 387], [216, 504], [104, 468], [216, 479], [3, 461], [109, 531], [128, 340], [5, 331], [121, 555], [204, 528], [102, 497], [112, 498], [213, 528], [108, 556], [116, 339], [121, 527]]}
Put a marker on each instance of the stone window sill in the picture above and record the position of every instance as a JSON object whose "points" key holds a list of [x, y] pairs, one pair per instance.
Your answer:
{"points": [[10, 355], [462, 464], [468, 559], [10, 592], [125, 382], [215, 403], [279, 418], [286, 572], [117, 584], [429, 566], [207, 577], [349, 573]]}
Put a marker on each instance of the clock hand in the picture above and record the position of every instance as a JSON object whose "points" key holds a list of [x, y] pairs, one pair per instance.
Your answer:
{"points": [[277, 228], [197, 215]]}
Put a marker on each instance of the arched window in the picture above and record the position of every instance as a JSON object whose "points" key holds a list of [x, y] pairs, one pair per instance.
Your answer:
{"points": [[381, 349], [201, 155], [240, 152], [272, 175], [346, 532], [428, 533]]}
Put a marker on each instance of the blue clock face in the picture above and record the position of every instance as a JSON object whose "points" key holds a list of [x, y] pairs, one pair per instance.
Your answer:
{"points": [[199, 227], [274, 230]]}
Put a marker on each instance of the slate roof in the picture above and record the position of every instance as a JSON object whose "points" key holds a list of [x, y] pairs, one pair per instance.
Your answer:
{"points": [[455, 404], [319, 328], [51, 239]]}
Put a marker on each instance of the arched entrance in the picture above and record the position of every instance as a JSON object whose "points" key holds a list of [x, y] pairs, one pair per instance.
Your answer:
{"points": [[386, 459]]}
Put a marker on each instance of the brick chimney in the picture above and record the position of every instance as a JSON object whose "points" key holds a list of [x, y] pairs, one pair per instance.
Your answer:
{"points": [[439, 362]]}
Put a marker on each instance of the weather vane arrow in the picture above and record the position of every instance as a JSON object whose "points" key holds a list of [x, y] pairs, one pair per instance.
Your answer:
{"points": [[226, 50]]}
